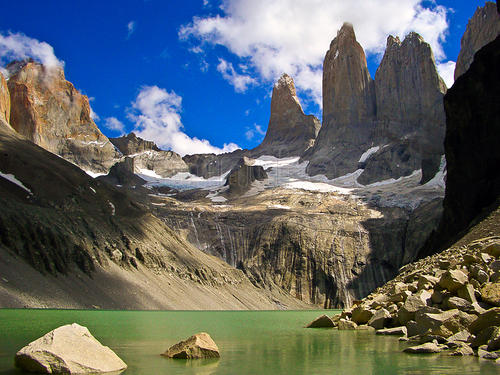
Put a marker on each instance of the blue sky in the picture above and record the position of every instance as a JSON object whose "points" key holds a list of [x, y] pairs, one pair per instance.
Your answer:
{"points": [[196, 75]]}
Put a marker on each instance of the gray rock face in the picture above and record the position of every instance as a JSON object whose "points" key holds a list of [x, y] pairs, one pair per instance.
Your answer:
{"points": [[49, 111], [122, 173], [197, 346], [148, 156], [210, 165], [290, 132], [4, 100], [242, 176], [482, 28], [348, 108], [410, 114], [69, 349]]}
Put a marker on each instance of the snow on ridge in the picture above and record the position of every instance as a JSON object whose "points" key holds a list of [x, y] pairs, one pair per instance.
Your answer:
{"points": [[14, 180], [368, 153], [94, 174], [392, 180], [316, 186]]}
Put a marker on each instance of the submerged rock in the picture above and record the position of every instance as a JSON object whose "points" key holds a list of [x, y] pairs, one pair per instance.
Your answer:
{"points": [[69, 349], [197, 346]]}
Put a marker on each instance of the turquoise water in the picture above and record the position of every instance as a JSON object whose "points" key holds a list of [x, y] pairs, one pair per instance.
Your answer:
{"points": [[250, 342]]}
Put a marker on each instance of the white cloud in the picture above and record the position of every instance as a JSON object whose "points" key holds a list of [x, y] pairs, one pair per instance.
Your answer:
{"points": [[130, 28], [17, 46], [239, 81], [255, 131], [112, 123], [446, 71], [94, 116], [292, 36], [156, 114]]}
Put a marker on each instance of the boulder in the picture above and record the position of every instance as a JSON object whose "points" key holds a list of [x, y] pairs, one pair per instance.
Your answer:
{"points": [[412, 305], [490, 293], [467, 292], [452, 280], [197, 346], [446, 323], [396, 331], [462, 350], [492, 249], [322, 321], [361, 314], [463, 336], [483, 353], [428, 347], [487, 319], [460, 304], [69, 349], [379, 319], [483, 337], [494, 341], [345, 324]]}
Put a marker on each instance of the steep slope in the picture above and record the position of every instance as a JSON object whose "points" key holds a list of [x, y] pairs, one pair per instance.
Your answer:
{"points": [[348, 108], [49, 111], [289, 132], [482, 28], [410, 121], [69, 241], [4, 99], [471, 145]]}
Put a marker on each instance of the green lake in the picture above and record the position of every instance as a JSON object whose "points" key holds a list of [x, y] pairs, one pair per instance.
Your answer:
{"points": [[250, 342]]}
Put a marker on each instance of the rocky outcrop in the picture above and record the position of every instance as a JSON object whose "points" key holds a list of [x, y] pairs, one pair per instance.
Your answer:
{"points": [[472, 154], [197, 346], [210, 165], [410, 121], [482, 28], [4, 100], [348, 108], [122, 173], [70, 349], [241, 177], [49, 111], [289, 132], [131, 144]]}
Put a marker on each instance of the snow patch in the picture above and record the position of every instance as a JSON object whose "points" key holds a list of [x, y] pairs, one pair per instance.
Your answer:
{"points": [[439, 180], [93, 190], [14, 180], [112, 206], [316, 186], [143, 172], [392, 180], [185, 181], [94, 174], [368, 153], [279, 206]]}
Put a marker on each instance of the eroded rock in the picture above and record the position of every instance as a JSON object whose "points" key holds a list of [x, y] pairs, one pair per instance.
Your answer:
{"points": [[197, 346]]}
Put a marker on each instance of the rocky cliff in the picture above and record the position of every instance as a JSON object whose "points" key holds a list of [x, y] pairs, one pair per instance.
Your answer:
{"points": [[70, 241], [482, 28], [289, 132], [49, 111], [348, 108], [4, 100], [389, 127], [471, 146], [410, 121], [241, 177], [147, 156]]}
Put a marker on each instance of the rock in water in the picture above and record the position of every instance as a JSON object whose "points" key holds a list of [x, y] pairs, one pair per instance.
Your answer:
{"points": [[197, 346], [428, 347], [348, 108], [290, 132], [482, 28], [322, 321], [69, 349], [49, 111]]}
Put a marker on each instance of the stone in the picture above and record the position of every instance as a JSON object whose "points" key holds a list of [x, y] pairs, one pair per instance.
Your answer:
{"points": [[426, 282], [364, 327], [483, 337], [241, 177], [489, 318], [379, 319], [482, 28], [400, 297], [412, 305], [495, 266], [459, 303], [4, 100], [452, 280], [290, 132], [197, 346], [483, 353], [468, 293], [428, 347], [396, 331], [464, 336], [361, 315], [446, 323], [492, 249], [322, 321], [462, 350], [69, 349], [494, 341], [346, 324], [49, 111], [490, 293]]}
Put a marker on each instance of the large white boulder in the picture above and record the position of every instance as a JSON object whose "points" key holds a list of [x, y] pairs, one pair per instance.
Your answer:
{"points": [[69, 349]]}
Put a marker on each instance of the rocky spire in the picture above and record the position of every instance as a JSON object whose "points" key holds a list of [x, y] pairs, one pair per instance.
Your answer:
{"points": [[348, 107], [290, 132], [50, 112], [482, 28], [4, 100]]}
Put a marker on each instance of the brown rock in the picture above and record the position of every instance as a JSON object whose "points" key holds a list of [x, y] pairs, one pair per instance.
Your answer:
{"points": [[494, 341], [241, 177], [197, 346], [459, 303], [322, 321], [428, 347], [453, 280], [487, 319], [492, 249], [412, 305], [4, 100], [49, 111], [290, 132], [379, 319], [462, 350], [361, 314], [396, 331], [468, 293], [490, 293], [446, 323], [482, 28], [346, 324]]}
